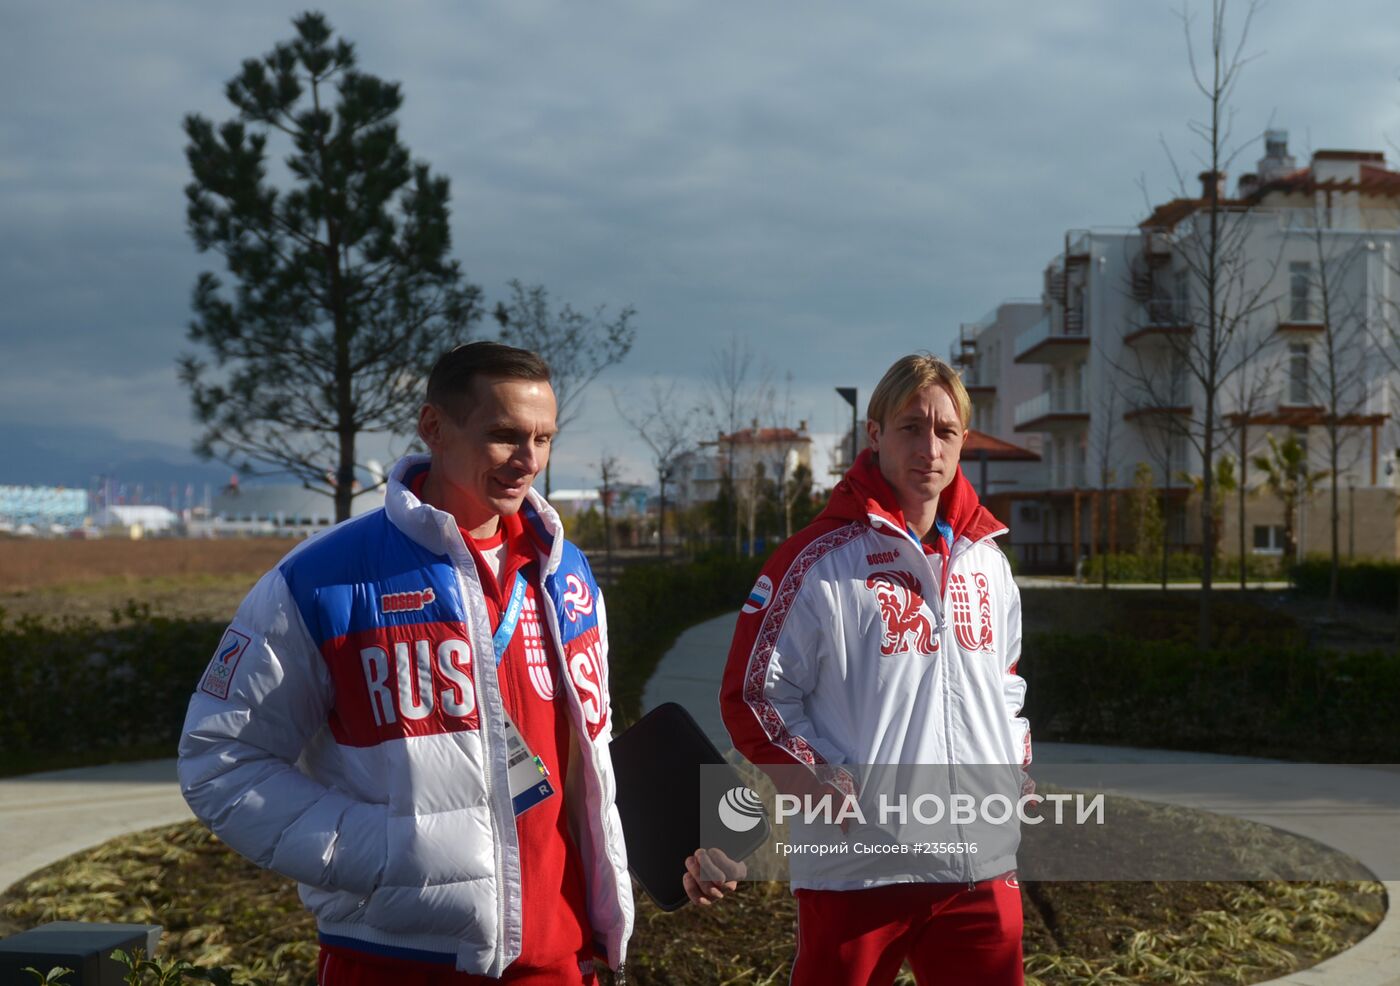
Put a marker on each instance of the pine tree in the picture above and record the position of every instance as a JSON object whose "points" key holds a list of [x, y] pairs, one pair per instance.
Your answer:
{"points": [[342, 291]]}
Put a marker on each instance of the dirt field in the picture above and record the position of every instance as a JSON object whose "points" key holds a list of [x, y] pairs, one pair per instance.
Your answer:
{"points": [[174, 576], [37, 563]]}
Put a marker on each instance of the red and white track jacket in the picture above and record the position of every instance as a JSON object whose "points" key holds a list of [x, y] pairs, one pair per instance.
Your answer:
{"points": [[858, 646]]}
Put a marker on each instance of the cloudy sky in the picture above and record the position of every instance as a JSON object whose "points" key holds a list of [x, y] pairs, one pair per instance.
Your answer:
{"points": [[836, 184]]}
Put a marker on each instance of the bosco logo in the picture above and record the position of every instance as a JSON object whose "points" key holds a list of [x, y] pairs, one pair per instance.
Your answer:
{"points": [[578, 600], [405, 602]]}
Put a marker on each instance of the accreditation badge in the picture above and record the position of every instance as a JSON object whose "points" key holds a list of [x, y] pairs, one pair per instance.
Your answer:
{"points": [[526, 773]]}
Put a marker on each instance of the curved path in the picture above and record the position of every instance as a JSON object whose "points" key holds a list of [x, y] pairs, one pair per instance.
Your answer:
{"points": [[44, 817], [690, 674]]}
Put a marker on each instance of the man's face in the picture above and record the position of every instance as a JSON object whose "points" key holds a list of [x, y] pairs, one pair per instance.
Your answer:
{"points": [[919, 445], [488, 460]]}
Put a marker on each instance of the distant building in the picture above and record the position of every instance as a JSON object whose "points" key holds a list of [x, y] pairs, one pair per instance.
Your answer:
{"points": [[137, 520], [571, 502], [771, 454], [274, 509], [42, 508], [1132, 298]]}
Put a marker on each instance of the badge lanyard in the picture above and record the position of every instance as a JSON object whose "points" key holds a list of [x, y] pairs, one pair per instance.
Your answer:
{"points": [[527, 774], [506, 630]]}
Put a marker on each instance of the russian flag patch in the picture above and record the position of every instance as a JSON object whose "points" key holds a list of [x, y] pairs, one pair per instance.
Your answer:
{"points": [[759, 595]]}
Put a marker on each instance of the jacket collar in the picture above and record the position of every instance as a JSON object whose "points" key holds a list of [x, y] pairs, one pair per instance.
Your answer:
{"points": [[437, 530], [864, 494]]}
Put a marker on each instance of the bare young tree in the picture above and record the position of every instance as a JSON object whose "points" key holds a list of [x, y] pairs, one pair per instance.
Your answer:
{"points": [[665, 422], [1226, 281], [1338, 381], [1253, 390], [609, 473], [1104, 453], [738, 393], [577, 346]]}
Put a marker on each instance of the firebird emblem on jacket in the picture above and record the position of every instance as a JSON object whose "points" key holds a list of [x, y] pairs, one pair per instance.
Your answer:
{"points": [[901, 598], [962, 612]]}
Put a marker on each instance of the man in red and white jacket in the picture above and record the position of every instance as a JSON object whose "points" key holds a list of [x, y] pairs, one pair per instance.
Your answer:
{"points": [[888, 632]]}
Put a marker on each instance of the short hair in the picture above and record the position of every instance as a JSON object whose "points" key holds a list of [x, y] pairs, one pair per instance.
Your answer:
{"points": [[911, 374], [450, 382]]}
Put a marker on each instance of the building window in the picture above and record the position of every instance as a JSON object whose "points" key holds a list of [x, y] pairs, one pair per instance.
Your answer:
{"points": [[1298, 373], [1300, 307], [1268, 539], [1300, 435]]}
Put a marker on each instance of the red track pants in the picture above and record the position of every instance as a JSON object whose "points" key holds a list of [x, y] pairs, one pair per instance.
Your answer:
{"points": [[950, 934], [337, 968]]}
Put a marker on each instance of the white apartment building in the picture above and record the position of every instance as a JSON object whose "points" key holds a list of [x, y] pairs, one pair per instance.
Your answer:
{"points": [[1123, 319]]}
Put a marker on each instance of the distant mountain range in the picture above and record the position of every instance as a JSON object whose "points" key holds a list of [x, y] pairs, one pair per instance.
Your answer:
{"points": [[77, 455]]}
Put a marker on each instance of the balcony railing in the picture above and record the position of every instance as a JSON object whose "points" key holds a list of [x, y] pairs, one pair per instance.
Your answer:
{"points": [[1167, 311], [1048, 403]]}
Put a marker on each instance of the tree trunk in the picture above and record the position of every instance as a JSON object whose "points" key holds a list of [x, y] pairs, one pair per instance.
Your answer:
{"points": [[1244, 475], [1166, 510], [1336, 514], [661, 521]]}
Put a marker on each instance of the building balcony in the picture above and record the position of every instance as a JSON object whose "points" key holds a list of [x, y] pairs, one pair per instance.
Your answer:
{"points": [[1043, 342], [1050, 412], [1163, 319], [1159, 412]]}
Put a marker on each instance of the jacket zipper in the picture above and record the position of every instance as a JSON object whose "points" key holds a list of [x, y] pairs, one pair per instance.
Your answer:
{"points": [[498, 848]]}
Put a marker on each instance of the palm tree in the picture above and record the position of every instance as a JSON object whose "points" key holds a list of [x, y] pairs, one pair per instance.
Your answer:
{"points": [[1287, 476], [1225, 483]]}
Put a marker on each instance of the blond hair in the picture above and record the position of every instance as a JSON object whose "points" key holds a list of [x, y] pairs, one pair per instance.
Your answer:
{"points": [[907, 377]]}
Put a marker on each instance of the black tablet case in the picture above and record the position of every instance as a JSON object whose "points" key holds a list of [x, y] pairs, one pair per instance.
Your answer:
{"points": [[657, 763]]}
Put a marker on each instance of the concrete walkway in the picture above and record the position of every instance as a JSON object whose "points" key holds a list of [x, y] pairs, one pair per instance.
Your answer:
{"points": [[44, 817], [1335, 804]]}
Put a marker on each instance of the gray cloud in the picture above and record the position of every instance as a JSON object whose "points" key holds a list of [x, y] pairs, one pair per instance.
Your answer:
{"points": [[837, 184]]}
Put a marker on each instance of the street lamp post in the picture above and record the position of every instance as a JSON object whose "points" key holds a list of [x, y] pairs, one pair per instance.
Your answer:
{"points": [[849, 394]]}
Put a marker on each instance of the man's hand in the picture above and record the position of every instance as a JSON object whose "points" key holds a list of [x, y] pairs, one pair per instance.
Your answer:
{"points": [[710, 874]]}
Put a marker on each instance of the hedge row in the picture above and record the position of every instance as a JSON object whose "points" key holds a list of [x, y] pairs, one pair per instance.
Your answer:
{"points": [[1292, 704], [648, 607], [1372, 583], [1180, 565], [81, 686]]}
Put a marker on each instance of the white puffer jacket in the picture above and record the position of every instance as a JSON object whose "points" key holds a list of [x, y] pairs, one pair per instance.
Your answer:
{"points": [[349, 733], [857, 647]]}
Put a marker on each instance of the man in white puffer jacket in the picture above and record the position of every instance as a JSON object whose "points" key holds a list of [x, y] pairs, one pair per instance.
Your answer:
{"points": [[888, 632], [362, 724]]}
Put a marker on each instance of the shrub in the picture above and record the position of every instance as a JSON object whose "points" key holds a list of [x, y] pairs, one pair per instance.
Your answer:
{"points": [[648, 607], [91, 690], [1289, 703], [1371, 583], [78, 686], [1180, 565]]}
